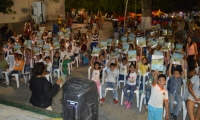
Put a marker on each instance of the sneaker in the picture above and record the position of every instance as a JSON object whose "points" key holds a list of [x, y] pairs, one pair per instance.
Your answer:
{"points": [[172, 116], [126, 102], [128, 106], [102, 100], [175, 117], [115, 101]]}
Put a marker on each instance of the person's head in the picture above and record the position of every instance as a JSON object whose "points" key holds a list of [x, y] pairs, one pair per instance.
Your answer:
{"points": [[1, 56], [28, 50], [62, 48], [69, 48], [95, 31], [177, 73], [112, 66], [101, 57], [124, 61], [97, 66], [21, 41], [161, 80], [22, 49], [39, 69], [57, 54], [19, 56], [144, 61], [47, 59], [189, 40], [38, 57], [132, 68]]}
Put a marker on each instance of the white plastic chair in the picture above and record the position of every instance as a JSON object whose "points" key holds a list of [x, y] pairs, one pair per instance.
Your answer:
{"points": [[11, 66], [136, 91], [143, 94], [89, 77], [122, 81]]}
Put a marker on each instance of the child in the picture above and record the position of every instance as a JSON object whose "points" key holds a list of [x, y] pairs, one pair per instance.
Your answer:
{"points": [[130, 85], [28, 56], [123, 67], [56, 61], [38, 58], [18, 66], [158, 95], [47, 62], [62, 52], [143, 67], [96, 68], [85, 58], [112, 74], [174, 87]]}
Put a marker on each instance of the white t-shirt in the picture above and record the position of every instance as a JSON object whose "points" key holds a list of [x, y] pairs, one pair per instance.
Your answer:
{"points": [[68, 54], [132, 79], [49, 66], [76, 50], [123, 69], [96, 75], [62, 54], [40, 60], [112, 75], [157, 97]]}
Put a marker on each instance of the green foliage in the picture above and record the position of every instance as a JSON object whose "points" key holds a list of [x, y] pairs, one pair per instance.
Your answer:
{"points": [[6, 6]]}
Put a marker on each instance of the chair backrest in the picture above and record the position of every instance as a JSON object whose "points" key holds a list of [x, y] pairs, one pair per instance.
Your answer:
{"points": [[89, 72], [166, 82], [139, 74], [11, 61], [144, 78]]}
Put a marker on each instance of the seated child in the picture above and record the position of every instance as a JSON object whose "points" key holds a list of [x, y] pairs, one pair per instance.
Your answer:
{"points": [[18, 66], [174, 87], [47, 62], [112, 73], [159, 95], [96, 70], [130, 85], [56, 61], [27, 67]]}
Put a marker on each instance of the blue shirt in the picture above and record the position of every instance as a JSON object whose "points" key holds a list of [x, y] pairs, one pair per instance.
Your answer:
{"points": [[55, 28]]}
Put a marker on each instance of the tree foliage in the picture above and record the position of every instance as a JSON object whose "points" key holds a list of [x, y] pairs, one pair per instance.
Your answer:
{"points": [[6, 6]]}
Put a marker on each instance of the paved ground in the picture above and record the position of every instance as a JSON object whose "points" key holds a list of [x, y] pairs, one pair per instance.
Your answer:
{"points": [[108, 111]]}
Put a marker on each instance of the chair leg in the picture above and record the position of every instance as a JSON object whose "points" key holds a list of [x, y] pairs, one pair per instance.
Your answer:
{"points": [[137, 97], [7, 79], [122, 97], [51, 78], [25, 80], [141, 101], [17, 80], [100, 92], [184, 110], [58, 73]]}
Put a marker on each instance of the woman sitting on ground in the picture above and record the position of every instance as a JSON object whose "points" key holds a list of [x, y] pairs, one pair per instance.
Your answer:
{"points": [[42, 90]]}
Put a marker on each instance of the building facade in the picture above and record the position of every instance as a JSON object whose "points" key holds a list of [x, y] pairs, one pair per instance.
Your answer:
{"points": [[36, 10]]}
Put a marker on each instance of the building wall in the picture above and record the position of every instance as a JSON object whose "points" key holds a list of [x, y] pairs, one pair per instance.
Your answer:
{"points": [[52, 8]]}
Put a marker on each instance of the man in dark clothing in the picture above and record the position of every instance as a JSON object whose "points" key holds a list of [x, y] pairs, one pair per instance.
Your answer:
{"points": [[4, 32]]}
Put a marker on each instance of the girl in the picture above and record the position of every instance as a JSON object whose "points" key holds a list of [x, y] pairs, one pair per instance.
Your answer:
{"points": [[56, 60], [96, 68], [143, 67], [130, 85], [28, 56]]}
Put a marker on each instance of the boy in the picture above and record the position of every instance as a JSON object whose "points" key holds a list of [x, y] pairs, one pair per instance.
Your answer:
{"points": [[158, 95], [174, 87], [111, 82]]}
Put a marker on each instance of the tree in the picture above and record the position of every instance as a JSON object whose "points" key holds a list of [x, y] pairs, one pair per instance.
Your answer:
{"points": [[6, 6], [146, 14]]}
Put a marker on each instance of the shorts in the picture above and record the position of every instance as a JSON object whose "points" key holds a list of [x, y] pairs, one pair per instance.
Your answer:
{"points": [[154, 113], [190, 97]]}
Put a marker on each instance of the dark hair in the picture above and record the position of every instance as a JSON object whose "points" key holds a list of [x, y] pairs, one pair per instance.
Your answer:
{"points": [[146, 59], [12, 40], [113, 64], [132, 65], [162, 75], [38, 69], [47, 58], [56, 52], [190, 42], [40, 56], [98, 64], [123, 59], [177, 70]]}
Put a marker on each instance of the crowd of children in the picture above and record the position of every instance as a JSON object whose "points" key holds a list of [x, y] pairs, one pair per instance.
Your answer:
{"points": [[162, 57]]}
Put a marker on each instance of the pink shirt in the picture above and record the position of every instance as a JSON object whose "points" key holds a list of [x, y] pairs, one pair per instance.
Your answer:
{"points": [[190, 50]]}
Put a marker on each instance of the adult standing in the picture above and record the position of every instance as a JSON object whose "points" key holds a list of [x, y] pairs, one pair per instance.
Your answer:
{"points": [[191, 49], [4, 32], [42, 90], [55, 28], [94, 41]]}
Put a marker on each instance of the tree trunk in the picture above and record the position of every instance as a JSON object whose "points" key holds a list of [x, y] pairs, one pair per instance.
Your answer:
{"points": [[146, 14]]}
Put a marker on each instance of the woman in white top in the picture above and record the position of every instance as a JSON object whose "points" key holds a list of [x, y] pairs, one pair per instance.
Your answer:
{"points": [[194, 96], [96, 70]]}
